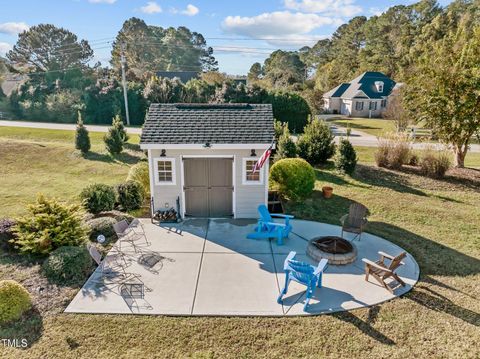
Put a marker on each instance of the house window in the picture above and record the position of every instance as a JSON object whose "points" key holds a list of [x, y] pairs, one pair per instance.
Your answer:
{"points": [[373, 106], [384, 103], [164, 171], [359, 105], [249, 176], [379, 86]]}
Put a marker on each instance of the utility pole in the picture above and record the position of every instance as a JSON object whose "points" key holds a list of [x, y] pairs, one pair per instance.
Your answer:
{"points": [[124, 83]]}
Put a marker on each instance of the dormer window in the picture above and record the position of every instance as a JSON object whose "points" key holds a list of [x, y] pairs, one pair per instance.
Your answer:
{"points": [[379, 86]]}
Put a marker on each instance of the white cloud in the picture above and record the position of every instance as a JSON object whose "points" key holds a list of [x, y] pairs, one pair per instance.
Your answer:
{"points": [[277, 26], [4, 48], [102, 1], [13, 28], [191, 10], [151, 8], [345, 8]]}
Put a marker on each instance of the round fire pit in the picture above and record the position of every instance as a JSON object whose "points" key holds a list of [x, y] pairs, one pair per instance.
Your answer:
{"points": [[336, 249]]}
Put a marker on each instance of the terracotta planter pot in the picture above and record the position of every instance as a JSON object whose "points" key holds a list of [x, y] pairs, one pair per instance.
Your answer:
{"points": [[327, 191]]}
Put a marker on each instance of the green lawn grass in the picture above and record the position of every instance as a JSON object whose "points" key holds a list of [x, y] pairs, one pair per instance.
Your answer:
{"points": [[437, 221], [40, 160]]}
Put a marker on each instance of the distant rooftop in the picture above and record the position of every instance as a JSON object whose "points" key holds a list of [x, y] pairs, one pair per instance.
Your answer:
{"points": [[363, 86]]}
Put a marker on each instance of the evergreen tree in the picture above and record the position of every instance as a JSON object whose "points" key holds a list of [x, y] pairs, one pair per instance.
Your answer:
{"points": [[82, 139], [316, 144], [114, 139], [118, 124], [286, 148], [346, 158]]}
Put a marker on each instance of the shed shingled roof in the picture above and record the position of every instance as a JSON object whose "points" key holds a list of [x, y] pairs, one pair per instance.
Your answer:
{"points": [[212, 123]]}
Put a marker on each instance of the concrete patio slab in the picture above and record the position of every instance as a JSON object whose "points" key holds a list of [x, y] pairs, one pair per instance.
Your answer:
{"points": [[245, 285], [209, 267], [230, 236], [176, 239]]}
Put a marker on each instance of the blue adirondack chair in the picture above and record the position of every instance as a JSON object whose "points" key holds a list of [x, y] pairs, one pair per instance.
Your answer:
{"points": [[267, 228], [302, 273]]}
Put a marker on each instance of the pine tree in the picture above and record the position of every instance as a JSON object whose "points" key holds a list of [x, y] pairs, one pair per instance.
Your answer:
{"points": [[346, 157], [286, 148], [82, 139], [118, 124], [114, 139]]}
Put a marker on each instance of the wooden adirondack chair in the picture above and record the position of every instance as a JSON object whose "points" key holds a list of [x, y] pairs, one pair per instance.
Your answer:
{"points": [[355, 220], [381, 271], [302, 273], [267, 228]]}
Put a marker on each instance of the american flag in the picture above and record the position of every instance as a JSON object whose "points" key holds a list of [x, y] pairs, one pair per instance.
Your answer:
{"points": [[261, 161]]}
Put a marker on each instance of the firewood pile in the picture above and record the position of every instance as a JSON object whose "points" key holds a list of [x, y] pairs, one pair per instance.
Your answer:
{"points": [[169, 215]]}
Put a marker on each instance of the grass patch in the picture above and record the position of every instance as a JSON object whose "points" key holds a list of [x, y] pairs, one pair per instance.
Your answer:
{"points": [[40, 160], [435, 220]]}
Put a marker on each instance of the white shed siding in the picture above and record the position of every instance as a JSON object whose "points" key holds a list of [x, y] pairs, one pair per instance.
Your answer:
{"points": [[247, 197]]}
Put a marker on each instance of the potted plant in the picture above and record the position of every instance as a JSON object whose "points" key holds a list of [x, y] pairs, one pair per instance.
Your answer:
{"points": [[327, 191]]}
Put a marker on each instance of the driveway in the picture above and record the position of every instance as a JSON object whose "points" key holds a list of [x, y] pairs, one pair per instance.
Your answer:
{"points": [[208, 267]]}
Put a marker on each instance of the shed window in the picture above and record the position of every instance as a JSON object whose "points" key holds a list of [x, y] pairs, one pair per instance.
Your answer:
{"points": [[164, 171], [384, 103], [249, 176], [359, 105], [373, 106]]}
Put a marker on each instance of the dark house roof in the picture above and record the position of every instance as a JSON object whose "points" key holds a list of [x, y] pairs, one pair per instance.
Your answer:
{"points": [[184, 76], [363, 86], [208, 123]]}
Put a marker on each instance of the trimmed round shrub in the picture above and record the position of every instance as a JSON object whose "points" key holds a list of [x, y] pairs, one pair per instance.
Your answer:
{"points": [[102, 225], [316, 145], [6, 232], [140, 173], [14, 300], [130, 195], [68, 265], [346, 158], [294, 178], [49, 224], [98, 197]]}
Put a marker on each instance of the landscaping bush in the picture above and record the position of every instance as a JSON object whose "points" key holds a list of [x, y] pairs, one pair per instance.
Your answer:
{"points": [[294, 178], [48, 225], [435, 163], [68, 265], [130, 195], [98, 197], [316, 144], [346, 158], [393, 151], [140, 173], [114, 139], [14, 300], [6, 234], [102, 225], [118, 124], [82, 140], [286, 148]]}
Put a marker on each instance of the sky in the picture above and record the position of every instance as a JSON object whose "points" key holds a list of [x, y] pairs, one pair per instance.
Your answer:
{"points": [[241, 32]]}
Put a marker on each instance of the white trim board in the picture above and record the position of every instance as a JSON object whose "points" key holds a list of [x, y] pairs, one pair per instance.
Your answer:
{"points": [[213, 146], [155, 170]]}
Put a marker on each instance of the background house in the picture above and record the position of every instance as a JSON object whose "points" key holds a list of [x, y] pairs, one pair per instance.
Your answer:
{"points": [[183, 76], [365, 96], [204, 155]]}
